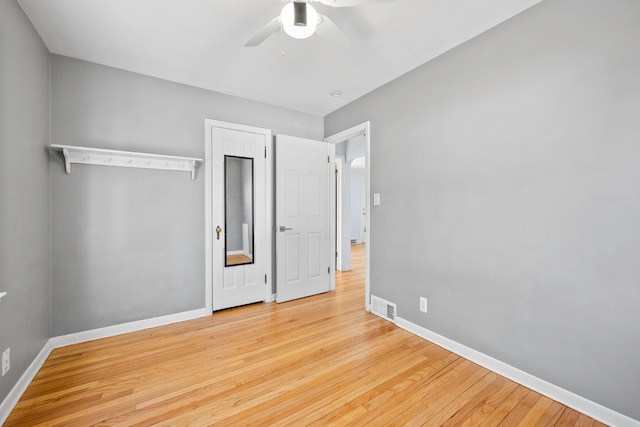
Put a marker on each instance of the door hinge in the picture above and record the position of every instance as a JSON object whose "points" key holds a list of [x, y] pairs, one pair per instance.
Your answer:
{"points": [[336, 254], [328, 159], [336, 172], [265, 152], [265, 279], [328, 270]]}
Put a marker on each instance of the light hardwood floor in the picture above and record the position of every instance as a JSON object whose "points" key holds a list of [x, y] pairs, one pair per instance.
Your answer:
{"points": [[317, 361]]}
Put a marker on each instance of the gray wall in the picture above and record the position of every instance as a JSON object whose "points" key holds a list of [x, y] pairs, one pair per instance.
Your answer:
{"points": [[357, 195], [128, 244], [350, 150], [24, 191], [355, 149], [519, 153], [346, 210]]}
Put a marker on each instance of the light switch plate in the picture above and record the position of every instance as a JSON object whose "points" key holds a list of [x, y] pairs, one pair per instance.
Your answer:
{"points": [[376, 199]]}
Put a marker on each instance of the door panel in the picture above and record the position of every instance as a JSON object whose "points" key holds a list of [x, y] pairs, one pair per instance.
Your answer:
{"points": [[302, 218], [315, 248], [292, 258], [236, 285]]}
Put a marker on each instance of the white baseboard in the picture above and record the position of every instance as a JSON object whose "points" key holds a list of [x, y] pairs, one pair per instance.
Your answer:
{"points": [[109, 331], [7, 405], [567, 398], [16, 392]]}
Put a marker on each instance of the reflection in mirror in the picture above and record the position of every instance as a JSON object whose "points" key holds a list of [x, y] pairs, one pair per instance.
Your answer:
{"points": [[238, 189]]}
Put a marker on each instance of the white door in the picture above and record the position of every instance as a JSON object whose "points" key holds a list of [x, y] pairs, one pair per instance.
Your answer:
{"points": [[302, 217], [239, 217]]}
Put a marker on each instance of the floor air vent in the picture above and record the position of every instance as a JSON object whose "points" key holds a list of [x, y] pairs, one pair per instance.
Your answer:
{"points": [[384, 309]]}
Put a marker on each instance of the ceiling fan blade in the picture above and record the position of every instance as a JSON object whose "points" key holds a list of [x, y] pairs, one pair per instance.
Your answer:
{"points": [[349, 3], [328, 30], [271, 27]]}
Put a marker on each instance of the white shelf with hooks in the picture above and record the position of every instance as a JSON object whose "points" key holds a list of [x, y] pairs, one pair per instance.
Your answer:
{"points": [[128, 159]]}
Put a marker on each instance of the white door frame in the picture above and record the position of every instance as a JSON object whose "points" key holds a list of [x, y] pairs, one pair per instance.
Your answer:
{"points": [[209, 124], [363, 129]]}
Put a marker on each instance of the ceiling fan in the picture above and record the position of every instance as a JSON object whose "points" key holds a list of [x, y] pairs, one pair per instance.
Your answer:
{"points": [[300, 20]]}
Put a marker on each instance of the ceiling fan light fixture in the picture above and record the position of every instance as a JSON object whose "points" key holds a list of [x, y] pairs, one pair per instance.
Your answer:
{"points": [[299, 14], [288, 18]]}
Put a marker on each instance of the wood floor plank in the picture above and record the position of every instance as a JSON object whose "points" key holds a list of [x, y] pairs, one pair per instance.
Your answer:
{"points": [[432, 403], [316, 361], [569, 417], [503, 409], [482, 403], [552, 414], [521, 409], [536, 412]]}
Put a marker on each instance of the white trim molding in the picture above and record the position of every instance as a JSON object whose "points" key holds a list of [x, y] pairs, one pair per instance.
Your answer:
{"points": [[7, 405], [123, 328], [9, 402], [567, 398]]}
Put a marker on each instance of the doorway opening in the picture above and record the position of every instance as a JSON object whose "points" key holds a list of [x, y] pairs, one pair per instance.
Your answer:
{"points": [[352, 213]]}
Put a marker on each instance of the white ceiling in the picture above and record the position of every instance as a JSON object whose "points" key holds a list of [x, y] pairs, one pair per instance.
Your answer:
{"points": [[200, 43]]}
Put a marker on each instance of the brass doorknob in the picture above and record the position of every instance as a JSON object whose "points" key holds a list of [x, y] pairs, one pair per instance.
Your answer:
{"points": [[218, 231]]}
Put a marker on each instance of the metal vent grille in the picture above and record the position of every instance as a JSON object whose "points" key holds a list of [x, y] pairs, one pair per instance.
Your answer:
{"points": [[383, 308], [391, 312]]}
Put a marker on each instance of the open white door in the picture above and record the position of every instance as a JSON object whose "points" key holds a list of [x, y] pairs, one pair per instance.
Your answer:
{"points": [[303, 174], [239, 217]]}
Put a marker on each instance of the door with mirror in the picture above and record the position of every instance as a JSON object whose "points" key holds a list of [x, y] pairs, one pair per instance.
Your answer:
{"points": [[239, 218]]}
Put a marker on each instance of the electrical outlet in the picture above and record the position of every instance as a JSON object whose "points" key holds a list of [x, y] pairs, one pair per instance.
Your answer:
{"points": [[6, 361], [423, 304]]}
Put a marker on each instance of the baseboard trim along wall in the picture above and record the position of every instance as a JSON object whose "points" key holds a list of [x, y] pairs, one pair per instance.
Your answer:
{"points": [[16, 392], [7, 405], [572, 400], [109, 331]]}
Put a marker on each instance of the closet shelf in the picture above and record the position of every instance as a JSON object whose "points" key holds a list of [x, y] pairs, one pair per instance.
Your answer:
{"points": [[128, 159]]}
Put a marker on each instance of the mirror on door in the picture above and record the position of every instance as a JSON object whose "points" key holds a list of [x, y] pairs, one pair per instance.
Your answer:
{"points": [[238, 188]]}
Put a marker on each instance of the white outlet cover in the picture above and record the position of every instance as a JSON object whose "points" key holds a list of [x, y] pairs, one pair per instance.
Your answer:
{"points": [[423, 304], [6, 361]]}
